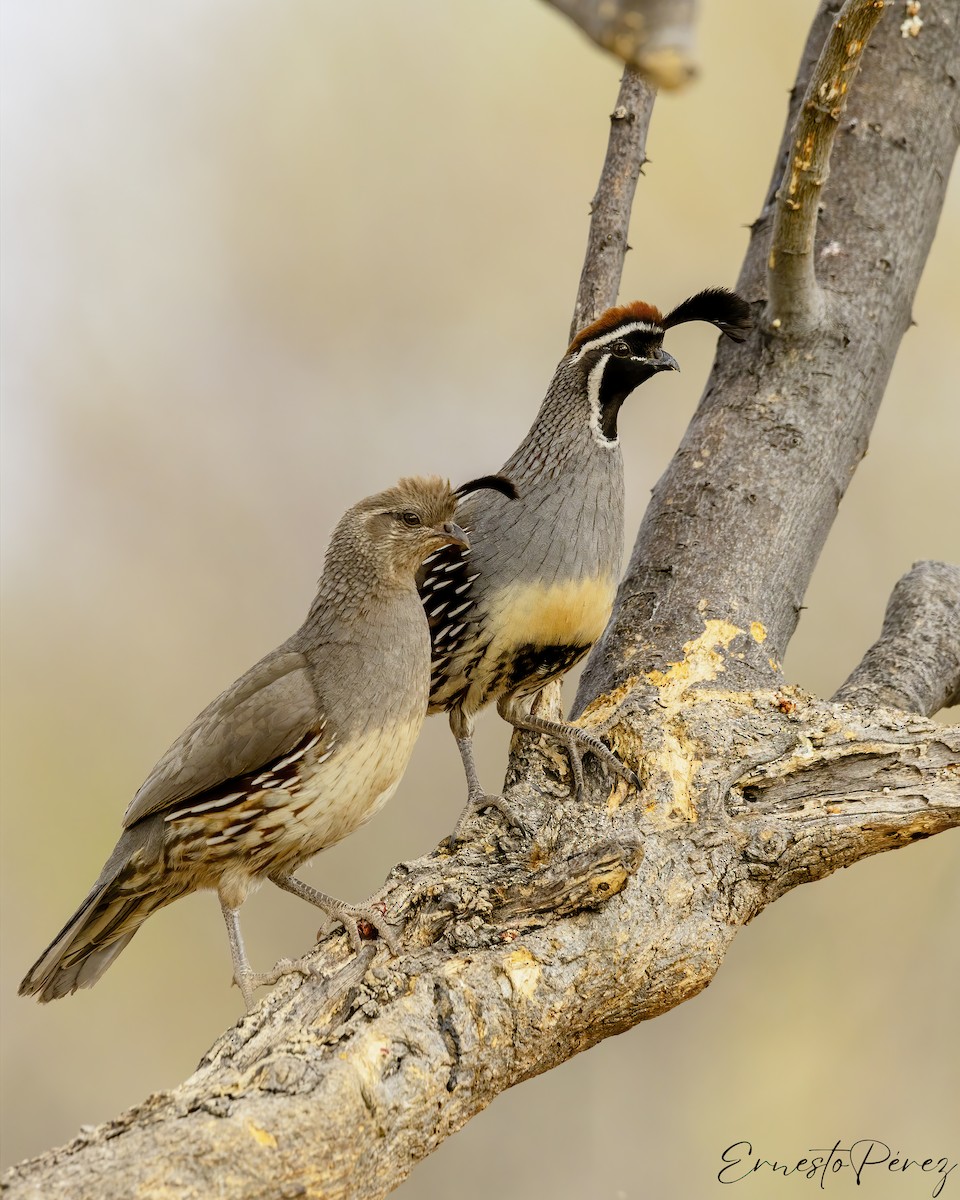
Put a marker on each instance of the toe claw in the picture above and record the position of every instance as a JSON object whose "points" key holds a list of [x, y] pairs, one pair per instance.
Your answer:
{"points": [[351, 927]]}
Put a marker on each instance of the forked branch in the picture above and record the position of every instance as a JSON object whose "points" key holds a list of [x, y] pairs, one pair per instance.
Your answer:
{"points": [[737, 522], [338, 1085]]}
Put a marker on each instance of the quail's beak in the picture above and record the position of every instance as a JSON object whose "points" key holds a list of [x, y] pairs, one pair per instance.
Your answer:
{"points": [[662, 361], [453, 535]]}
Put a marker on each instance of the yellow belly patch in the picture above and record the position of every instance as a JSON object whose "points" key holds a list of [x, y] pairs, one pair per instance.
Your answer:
{"points": [[573, 613]]}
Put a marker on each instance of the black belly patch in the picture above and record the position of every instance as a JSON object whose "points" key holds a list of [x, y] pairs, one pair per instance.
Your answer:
{"points": [[529, 667]]}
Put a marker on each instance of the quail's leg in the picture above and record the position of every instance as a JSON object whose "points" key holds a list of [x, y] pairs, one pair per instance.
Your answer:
{"points": [[477, 800], [577, 741], [346, 915], [244, 976], [475, 793]]}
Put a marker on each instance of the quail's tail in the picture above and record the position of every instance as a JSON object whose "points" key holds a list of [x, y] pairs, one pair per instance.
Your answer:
{"points": [[130, 887]]}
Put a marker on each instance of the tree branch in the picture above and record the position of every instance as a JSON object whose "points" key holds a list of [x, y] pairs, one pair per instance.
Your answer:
{"points": [[612, 204], [654, 37], [796, 303], [915, 663], [340, 1084], [845, 790], [520, 951], [737, 522]]}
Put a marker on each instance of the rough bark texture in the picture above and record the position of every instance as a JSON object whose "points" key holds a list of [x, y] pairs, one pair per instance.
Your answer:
{"points": [[655, 37], [520, 951], [915, 663], [613, 202]]}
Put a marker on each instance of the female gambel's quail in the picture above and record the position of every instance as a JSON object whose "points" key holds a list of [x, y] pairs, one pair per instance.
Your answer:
{"points": [[299, 752], [536, 587]]}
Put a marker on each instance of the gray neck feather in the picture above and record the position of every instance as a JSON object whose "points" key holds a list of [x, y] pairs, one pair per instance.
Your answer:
{"points": [[366, 636], [568, 521], [561, 437]]}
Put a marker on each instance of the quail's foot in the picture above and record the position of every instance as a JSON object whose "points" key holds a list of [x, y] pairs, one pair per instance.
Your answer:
{"points": [[248, 981], [579, 743], [371, 912], [575, 740], [477, 799], [361, 921], [477, 803]]}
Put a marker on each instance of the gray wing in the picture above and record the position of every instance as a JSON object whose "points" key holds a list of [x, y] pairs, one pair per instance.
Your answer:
{"points": [[264, 715]]}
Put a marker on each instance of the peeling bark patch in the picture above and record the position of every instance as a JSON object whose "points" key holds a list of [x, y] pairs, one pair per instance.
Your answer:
{"points": [[702, 661], [841, 774], [520, 975], [604, 707], [682, 769]]}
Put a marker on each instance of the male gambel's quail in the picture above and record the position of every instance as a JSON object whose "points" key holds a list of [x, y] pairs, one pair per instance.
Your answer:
{"points": [[535, 589], [299, 752]]}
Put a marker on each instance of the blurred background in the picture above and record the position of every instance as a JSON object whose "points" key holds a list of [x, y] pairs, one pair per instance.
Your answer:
{"points": [[259, 260]]}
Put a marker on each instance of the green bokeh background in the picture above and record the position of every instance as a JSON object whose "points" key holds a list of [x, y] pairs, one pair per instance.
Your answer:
{"points": [[260, 260]]}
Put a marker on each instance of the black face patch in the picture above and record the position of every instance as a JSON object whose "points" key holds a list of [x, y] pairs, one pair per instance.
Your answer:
{"points": [[628, 361], [620, 377]]}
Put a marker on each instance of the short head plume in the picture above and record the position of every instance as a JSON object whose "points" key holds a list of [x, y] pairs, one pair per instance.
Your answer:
{"points": [[429, 495], [718, 306]]}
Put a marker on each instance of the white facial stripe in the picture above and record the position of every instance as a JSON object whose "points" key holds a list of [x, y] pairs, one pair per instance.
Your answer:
{"points": [[593, 396], [615, 336]]}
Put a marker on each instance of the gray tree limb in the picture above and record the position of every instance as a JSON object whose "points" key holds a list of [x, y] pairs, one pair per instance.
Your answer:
{"points": [[520, 951], [612, 204], [736, 524], [519, 954], [915, 663], [795, 300]]}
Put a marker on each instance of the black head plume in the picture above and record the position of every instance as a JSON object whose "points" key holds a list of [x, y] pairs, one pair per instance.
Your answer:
{"points": [[492, 483], [718, 306]]}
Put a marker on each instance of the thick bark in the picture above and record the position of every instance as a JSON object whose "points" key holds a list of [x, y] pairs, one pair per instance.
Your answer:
{"points": [[520, 951], [519, 954]]}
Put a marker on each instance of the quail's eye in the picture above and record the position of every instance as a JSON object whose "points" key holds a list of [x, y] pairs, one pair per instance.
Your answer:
{"points": [[622, 349], [411, 519]]}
